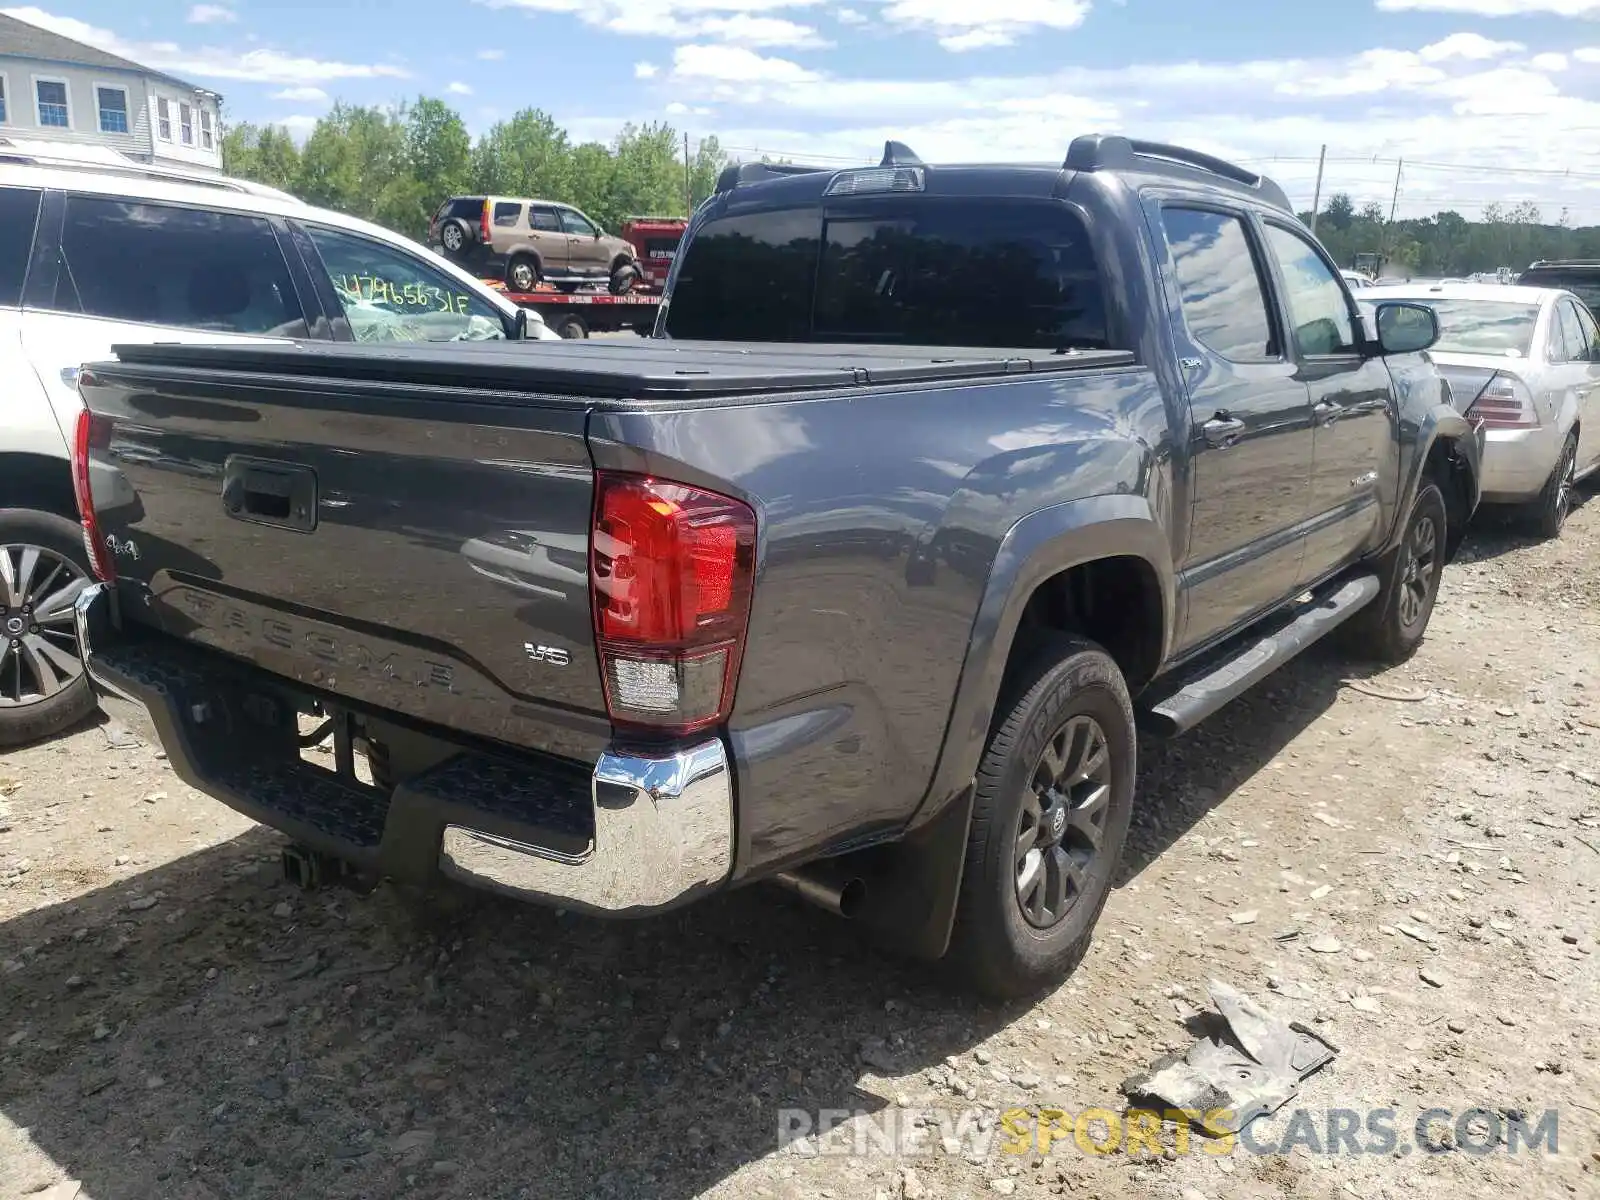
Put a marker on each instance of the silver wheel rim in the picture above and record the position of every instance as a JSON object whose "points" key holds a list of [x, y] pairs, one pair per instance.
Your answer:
{"points": [[522, 277], [38, 640], [452, 238], [1062, 822], [1569, 471], [1416, 575]]}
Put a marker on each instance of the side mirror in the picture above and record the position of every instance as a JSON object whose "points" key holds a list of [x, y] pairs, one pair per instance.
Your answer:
{"points": [[1405, 328], [519, 326]]}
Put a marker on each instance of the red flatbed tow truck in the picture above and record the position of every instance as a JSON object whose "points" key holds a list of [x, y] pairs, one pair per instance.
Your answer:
{"points": [[578, 314]]}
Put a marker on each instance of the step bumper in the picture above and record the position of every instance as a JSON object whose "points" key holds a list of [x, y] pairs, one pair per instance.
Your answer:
{"points": [[636, 834]]}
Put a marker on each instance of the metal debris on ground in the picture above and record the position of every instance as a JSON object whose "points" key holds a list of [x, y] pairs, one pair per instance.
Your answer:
{"points": [[1246, 1064]]}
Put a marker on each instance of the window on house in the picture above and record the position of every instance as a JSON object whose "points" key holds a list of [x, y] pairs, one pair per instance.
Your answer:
{"points": [[164, 120], [207, 134], [3, 117], [186, 124], [52, 96], [113, 104]]}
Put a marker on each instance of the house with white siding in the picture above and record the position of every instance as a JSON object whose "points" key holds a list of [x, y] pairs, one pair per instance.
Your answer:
{"points": [[53, 89]]}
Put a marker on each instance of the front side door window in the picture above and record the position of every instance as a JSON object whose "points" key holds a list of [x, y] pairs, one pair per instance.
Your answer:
{"points": [[390, 296]]}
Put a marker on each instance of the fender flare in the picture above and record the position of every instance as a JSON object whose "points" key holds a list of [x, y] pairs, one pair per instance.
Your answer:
{"points": [[1039, 546], [1439, 422]]}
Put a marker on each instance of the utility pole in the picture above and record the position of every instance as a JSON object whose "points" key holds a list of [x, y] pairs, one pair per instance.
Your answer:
{"points": [[1316, 196], [688, 179], [1394, 201]]}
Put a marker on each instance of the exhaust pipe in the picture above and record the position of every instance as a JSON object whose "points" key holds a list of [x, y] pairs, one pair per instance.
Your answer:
{"points": [[842, 895]]}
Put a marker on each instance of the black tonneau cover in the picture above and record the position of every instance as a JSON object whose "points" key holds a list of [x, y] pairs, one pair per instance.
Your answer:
{"points": [[641, 369]]}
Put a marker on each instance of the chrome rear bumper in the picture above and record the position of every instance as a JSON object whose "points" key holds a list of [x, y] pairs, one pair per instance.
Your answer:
{"points": [[663, 825]]}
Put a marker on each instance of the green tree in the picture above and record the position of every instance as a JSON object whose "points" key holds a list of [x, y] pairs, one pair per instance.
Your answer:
{"points": [[529, 155], [1341, 211]]}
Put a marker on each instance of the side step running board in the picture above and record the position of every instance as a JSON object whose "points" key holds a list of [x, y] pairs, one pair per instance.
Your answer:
{"points": [[1200, 693]]}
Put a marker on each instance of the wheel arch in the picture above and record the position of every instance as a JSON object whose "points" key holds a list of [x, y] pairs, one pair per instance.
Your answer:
{"points": [[1046, 565], [1450, 454], [38, 481]]}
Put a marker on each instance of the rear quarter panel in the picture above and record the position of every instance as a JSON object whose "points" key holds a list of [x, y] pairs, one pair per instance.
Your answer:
{"points": [[880, 517]]}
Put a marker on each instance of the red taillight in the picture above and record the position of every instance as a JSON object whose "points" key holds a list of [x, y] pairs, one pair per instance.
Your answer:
{"points": [[671, 569], [483, 223], [1504, 403], [92, 433]]}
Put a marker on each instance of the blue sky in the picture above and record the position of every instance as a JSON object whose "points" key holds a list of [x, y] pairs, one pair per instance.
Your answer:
{"points": [[1486, 100]]}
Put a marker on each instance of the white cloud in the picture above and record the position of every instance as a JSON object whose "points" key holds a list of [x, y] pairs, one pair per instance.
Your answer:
{"points": [[1549, 62], [735, 21], [491, 55], [303, 95], [1496, 8], [256, 66], [1587, 54], [734, 64], [1472, 46], [961, 25], [211, 14], [742, 29], [645, 70], [1484, 113], [457, 88], [849, 16]]}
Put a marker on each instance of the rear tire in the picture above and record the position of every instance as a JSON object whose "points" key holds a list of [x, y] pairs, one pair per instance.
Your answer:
{"points": [[1044, 845], [572, 327], [1549, 512], [43, 687], [1391, 628], [522, 274]]}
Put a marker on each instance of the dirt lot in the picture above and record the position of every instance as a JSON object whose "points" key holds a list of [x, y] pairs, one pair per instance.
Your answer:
{"points": [[1419, 849]]}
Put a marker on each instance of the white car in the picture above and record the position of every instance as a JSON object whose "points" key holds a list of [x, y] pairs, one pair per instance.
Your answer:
{"points": [[1356, 280], [93, 255], [1526, 362]]}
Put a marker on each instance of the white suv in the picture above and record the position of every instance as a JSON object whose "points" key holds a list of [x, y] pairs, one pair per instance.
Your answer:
{"points": [[91, 257]]}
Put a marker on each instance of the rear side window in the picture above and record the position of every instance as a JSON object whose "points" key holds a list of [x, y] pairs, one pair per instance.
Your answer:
{"points": [[19, 212], [163, 265], [1577, 345], [507, 214], [921, 271], [1219, 282]]}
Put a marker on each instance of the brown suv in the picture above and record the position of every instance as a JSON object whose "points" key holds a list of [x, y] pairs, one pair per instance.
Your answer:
{"points": [[529, 242]]}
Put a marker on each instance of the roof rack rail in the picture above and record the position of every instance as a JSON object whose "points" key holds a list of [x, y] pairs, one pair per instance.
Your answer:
{"points": [[1101, 152], [1564, 262], [754, 172], [91, 161]]}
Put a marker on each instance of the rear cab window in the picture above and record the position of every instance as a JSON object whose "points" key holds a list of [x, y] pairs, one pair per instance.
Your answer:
{"points": [[917, 270], [19, 213]]}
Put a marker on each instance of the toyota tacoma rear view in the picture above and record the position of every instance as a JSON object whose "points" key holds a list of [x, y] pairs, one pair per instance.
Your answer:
{"points": [[934, 484]]}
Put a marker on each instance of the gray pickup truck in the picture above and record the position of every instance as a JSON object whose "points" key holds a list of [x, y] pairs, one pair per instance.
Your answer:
{"points": [[857, 577]]}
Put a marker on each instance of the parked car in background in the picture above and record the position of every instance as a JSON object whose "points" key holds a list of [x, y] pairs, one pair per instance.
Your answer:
{"points": [[91, 257], [529, 242], [1580, 276], [1356, 280], [1526, 362]]}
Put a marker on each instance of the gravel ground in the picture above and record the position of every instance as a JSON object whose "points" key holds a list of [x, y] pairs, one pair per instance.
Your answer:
{"points": [[1406, 861]]}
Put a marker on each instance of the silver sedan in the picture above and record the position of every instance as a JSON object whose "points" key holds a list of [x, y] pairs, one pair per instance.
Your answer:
{"points": [[1526, 362]]}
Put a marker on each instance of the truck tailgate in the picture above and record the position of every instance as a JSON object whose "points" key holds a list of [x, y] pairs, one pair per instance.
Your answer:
{"points": [[426, 556]]}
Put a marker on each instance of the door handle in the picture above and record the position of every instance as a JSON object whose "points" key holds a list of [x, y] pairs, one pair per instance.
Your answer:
{"points": [[1327, 412], [1222, 430], [270, 493]]}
